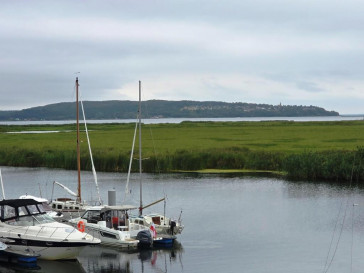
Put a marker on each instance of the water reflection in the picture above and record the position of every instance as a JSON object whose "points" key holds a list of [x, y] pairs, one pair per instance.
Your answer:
{"points": [[43, 267], [239, 224], [103, 259], [98, 259], [318, 189]]}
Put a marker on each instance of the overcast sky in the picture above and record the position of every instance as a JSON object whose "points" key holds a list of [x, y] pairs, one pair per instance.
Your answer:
{"points": [[297, 52]]}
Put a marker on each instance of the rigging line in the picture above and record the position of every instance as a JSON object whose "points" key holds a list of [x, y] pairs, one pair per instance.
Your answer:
{"points": [[151, 134], [352, 227], [147, 114], [333, 235], [352, 239], [352, 217], [344, 217], [339, 238], [154, 148], [91, 157], [126, 193]]}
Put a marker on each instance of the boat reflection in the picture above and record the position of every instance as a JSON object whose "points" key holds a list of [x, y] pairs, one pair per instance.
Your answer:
{"points": [[103, 259], [99, 259], [43, 266]]}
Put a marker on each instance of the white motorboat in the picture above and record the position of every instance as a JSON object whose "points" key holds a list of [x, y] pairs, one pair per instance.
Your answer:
{"points": [[110, 224], [25, 227], [164, 226]]}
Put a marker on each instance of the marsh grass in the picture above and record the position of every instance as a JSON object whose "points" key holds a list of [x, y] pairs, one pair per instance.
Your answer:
{"points": [[304, 150]]}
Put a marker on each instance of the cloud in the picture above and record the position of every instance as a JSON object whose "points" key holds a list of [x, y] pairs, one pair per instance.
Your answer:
{"points": [[289, 51], [309, 86]]}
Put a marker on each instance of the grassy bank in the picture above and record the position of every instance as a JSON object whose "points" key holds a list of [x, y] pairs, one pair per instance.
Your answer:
{"points": [[303, 150]]}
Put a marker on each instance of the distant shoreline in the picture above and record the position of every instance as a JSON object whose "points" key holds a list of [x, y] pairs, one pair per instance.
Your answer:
{"points": [[179, 120], [161, 109]]}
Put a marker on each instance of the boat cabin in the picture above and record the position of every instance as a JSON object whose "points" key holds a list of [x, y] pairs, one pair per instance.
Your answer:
{"points": [[114, 217], [65, 205], [23, 212]]}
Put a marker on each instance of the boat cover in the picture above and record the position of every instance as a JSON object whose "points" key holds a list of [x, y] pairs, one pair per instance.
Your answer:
{"points": [[18, 202]]}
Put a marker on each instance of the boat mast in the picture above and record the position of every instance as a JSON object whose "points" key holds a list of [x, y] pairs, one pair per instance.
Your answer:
{"points": [[140, 150], [78, 145], [2, 185]]}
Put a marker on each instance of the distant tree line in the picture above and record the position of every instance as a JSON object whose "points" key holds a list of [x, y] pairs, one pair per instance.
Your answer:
{"points": [[163, 109]]}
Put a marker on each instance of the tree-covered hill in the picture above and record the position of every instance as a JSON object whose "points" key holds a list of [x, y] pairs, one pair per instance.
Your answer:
{"points": [[163, 109]]}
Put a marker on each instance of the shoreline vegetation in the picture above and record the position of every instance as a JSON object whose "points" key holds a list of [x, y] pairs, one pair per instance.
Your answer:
{"points": [[331, 150]]}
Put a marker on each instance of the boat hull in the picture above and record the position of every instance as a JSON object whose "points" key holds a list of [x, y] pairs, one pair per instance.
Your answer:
{"points": [[110, 237], [55, 252], [60, 242], [164, 242]]}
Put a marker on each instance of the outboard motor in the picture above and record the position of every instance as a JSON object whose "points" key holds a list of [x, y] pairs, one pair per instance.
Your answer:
{"points": [[173, 225], [145, 239]]}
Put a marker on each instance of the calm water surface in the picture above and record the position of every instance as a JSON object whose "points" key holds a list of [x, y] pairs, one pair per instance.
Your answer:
{"points": [[232, 224], [179, 120]]}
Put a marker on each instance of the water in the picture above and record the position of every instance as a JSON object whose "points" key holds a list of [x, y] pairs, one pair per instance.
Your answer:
{"points": [[232, 224], [179, 120]]}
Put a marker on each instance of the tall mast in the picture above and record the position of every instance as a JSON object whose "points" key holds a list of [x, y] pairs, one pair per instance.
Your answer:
{"points": [[140, 149], [78, 145]]}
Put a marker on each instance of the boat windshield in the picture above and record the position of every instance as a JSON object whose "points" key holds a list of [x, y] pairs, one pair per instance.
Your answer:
{"points": [[44, 218], [32, 209], [26, 215], [92, 216], [30, 220]]}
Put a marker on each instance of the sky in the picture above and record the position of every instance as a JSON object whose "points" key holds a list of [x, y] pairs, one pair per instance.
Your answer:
{"points": [[294, 52]]}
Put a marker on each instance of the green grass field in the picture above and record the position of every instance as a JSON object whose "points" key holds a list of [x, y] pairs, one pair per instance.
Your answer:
{"points": [[256, 136], [274, 146]]}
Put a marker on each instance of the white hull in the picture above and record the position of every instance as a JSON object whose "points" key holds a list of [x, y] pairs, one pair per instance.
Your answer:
{"points": [[163, 225], [122, 239], [47, 253], [165, 231], [26, 228], [52, 241], [111, 237]]}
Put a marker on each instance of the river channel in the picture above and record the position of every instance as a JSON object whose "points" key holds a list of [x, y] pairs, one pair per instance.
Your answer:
{"points": [[232, 224]]}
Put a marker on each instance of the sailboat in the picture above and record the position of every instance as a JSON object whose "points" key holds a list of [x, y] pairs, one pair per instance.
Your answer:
{"points": [[115, 226], [67, 207], [164, 226]]}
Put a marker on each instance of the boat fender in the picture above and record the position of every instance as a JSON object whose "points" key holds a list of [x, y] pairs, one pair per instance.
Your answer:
{"points": [[81, 226], [153, 230]]}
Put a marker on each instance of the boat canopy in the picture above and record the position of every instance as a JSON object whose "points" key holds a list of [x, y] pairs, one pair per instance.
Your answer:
{"points": [[18, 202], [39, 199], [123, 207], [14, 208]]}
